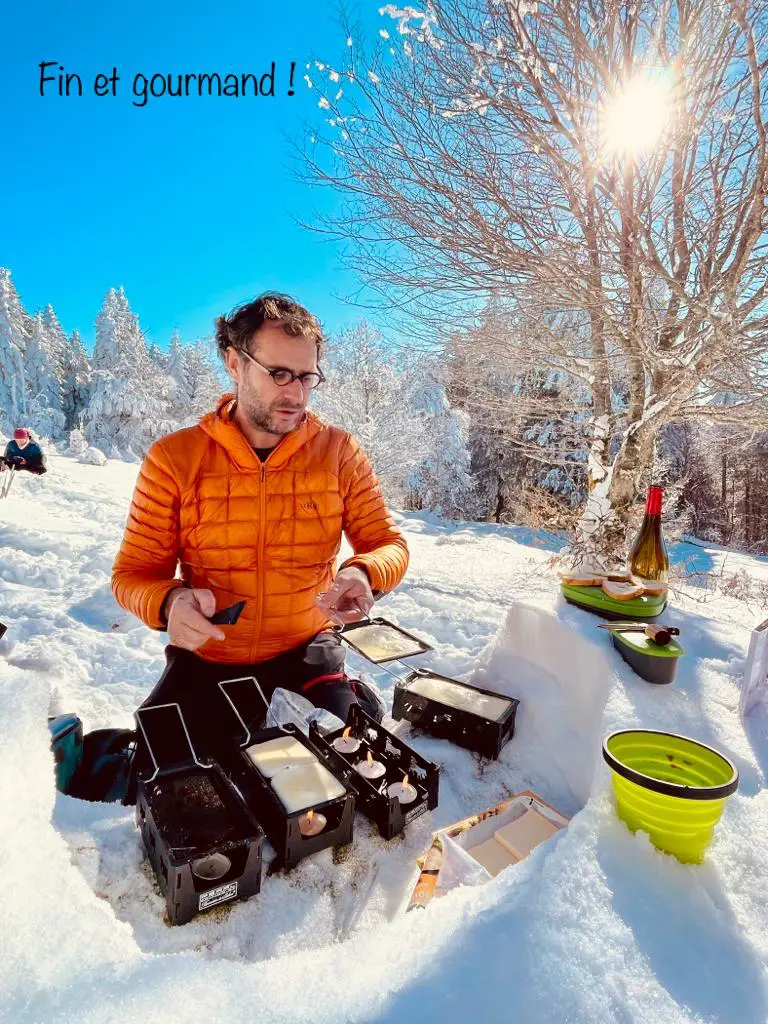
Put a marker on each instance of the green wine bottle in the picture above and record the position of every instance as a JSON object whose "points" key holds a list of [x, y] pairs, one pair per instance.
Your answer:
{"points": [[648, 558]]}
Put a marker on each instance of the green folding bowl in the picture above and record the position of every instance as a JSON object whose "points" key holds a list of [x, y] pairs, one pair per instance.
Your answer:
{"points": [[672, 787]]}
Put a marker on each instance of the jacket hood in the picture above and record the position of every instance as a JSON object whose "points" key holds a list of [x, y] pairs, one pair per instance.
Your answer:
{"points": [[221, 426]]}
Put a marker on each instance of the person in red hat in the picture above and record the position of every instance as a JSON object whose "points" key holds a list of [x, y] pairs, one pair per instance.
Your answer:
{"points": [[23, 453]]}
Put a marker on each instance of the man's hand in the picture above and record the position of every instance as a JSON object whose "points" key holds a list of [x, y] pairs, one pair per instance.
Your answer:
{"points": [[349, 598], [188, 612]]}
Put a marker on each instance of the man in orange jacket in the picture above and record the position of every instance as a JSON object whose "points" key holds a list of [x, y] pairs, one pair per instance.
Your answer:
{"points": [[250, 505]]}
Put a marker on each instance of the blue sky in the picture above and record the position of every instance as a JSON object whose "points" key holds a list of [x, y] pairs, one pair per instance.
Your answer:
{"points": [[189, 203]]}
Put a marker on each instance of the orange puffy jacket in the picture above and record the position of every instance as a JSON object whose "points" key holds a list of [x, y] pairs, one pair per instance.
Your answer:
{"points": [[267, 532]]}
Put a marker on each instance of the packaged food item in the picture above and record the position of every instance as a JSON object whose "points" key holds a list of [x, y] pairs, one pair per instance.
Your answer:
{"points": [[463, 854], [493, 856], [520, 836]]}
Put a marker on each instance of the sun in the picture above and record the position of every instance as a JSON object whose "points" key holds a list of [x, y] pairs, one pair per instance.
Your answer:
{"points": [[634, 118]]}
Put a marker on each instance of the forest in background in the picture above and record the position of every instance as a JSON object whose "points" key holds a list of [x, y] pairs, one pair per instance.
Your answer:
{"points": [[457, 428]]}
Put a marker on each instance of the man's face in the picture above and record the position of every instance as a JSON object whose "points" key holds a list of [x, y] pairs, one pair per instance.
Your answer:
{"points": [[23, 442], [268, 407]]}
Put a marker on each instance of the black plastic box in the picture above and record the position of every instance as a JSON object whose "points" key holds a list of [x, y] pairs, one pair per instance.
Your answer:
{"points": [[466, 729], [371, 796], [282, 827], [190, 817]]}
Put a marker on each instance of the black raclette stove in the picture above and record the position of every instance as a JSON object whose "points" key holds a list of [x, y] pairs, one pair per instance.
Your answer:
{"points": [[204, 844], [280, 825]]}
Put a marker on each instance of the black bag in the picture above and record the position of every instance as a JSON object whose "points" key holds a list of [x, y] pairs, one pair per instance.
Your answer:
{"points": [[105, 767]]}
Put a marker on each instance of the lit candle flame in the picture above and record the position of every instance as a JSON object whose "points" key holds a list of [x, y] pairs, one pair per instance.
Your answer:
{"points": [[405, 781], [310, 816], [370, 757], [346, 732]]}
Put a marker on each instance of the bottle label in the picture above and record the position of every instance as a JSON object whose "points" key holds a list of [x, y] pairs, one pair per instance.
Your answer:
{"points": [[653, 501]]}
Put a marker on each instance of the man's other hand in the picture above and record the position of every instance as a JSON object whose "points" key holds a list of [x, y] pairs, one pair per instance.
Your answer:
{"points": [[188, 612], [349, 598]]}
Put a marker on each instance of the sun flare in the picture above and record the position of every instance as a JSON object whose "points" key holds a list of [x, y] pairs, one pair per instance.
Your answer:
{"points": [[635, 118]]}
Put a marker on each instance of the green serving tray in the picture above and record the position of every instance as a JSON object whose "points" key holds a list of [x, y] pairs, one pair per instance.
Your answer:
{"points": [[593, 599], [654, 663]]}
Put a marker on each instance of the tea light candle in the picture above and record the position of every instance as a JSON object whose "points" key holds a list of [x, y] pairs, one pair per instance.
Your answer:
{"points": [[311, 824], [346, 744], [404, 791], [273, 756], [305, 785], [370, 769], [215, 865], [455, 695]]}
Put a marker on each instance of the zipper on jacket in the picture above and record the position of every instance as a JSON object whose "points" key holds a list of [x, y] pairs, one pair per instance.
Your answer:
{"points": [[260, 568]]}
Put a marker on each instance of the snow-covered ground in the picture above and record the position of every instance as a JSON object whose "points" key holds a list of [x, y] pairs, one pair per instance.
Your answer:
{"points": [[595, 926]]}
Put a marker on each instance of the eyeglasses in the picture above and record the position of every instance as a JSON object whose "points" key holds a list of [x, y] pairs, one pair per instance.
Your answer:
{"points": [[283, 377]]}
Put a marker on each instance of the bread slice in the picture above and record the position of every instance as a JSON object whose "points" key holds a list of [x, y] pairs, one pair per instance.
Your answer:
{"points": [[653, 587], [619, 577], [581, 579], [493, 856], [524, 833], [622, 591]]}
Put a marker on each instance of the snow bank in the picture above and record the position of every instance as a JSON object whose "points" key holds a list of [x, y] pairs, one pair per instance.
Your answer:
{"points": [[92, 457], [595, 926]]}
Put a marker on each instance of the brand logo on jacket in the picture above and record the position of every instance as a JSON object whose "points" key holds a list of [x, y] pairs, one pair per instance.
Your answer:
{"points": [[308, 506]]}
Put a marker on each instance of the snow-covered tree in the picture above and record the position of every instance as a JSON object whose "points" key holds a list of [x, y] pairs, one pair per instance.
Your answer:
{"points": [[15, 327], [443, 482], [205, 379], [129, 405], [158, 358], [44, 396], [57, 341], [178, 371], [76, 380], [77, 441], [370, 393], [120, 346], [197, 378], [503, 149], [176, 365], [527, 424]]}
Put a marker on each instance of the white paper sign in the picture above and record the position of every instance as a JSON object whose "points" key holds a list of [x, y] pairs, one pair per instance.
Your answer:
{"points": [[755, 680]]}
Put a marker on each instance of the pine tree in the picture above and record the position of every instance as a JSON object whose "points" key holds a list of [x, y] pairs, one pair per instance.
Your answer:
{"points": [[205, 380], [158, 359], [57, 341], [44, 397], [177, 369], [77, 375], [120, 347], [130, 398], [15, 328]]}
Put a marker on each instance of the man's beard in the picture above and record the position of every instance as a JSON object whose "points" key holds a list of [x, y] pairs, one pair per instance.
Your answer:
{"points": [[263, 416]]}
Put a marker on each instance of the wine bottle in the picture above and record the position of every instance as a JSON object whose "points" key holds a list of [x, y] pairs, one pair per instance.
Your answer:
{"points": [[648, 558]]}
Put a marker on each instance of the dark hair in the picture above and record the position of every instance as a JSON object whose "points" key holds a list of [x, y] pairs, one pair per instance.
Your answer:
{"points": [[237, 329]]}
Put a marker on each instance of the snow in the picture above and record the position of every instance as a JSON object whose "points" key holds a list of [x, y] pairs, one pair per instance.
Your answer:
{"points": [[595, 926]]}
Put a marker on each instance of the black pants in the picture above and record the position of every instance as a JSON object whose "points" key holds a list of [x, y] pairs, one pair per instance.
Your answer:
{"points": [[314, 670], [35, 466]]}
